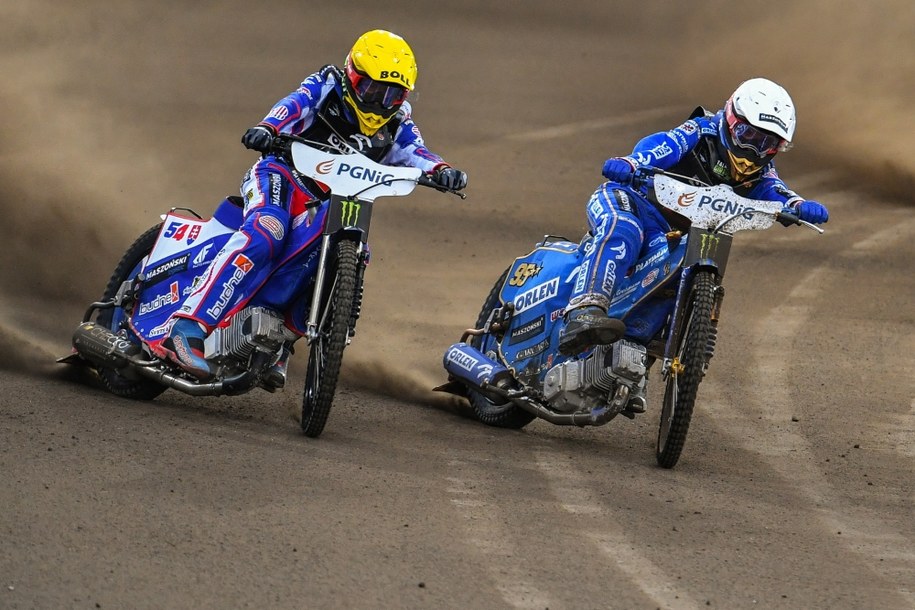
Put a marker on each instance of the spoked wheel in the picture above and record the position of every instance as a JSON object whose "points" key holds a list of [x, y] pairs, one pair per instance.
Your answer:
{"points": [[508, 415], [694, 347], [326, 351], [115, 319]]}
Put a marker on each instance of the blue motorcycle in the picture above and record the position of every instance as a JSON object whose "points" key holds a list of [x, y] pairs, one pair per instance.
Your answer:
{"points": [[315, 293], [509, 367]]}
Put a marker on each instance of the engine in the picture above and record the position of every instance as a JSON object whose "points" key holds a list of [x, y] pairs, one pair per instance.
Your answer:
{"points": [[253, 328], [577, 385]]}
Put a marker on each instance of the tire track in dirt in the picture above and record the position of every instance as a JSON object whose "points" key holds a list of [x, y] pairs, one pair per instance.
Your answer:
{"points": [[788, 453], [575, 497], [485, 533]]}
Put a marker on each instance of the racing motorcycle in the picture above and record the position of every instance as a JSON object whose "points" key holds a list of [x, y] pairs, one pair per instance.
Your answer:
{"points": [[315, 293], [509, 367]]}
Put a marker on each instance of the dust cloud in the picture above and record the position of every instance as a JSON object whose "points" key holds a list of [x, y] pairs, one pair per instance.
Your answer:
{"points": [[102, 132]]}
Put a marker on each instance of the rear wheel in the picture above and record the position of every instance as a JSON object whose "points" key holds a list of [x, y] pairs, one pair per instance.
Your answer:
{"points": [[692, 355], [115, 319], [326, 351], [508, 415]]}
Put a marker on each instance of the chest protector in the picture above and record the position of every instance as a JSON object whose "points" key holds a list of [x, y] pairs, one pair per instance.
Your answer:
{"points": [[333, 126], [709, 163]]}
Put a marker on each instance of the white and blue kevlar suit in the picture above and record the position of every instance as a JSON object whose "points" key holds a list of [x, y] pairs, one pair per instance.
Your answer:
{"points": [[622, 220]]}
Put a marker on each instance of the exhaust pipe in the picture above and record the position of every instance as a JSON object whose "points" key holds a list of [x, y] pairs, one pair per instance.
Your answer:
{"points": [[102, 347], [478, 371], [230, 386]]}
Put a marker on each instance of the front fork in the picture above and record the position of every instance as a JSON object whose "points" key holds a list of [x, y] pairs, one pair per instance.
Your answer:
{"points": [[671, 364], [312, 326], [311, 329]]}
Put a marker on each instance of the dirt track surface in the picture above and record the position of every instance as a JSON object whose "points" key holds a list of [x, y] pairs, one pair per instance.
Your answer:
{"points": [[795, 489]]}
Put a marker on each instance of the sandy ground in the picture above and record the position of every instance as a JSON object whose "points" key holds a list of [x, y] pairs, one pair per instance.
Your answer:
{"points": [[795, 489]]}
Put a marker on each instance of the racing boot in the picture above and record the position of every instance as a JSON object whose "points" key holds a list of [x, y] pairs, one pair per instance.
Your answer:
{"points": [[588, 326], [184, 346], [275, 379]]}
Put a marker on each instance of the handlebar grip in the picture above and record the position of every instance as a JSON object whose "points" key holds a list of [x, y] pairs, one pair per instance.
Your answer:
{"points": [[786, 219], [426, 180], [641, 176]]}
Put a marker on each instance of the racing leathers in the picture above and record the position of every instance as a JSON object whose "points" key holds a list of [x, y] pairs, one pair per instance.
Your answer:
{"points": [[622, 220], [275, 195]]}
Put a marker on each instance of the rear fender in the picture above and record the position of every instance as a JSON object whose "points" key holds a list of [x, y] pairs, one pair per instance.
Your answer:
{"points": [[537, 288]]}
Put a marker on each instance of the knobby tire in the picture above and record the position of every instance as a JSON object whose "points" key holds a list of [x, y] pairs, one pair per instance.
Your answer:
{"points": [[114, 382], [326, 351], [693, 351], [508, 415]]}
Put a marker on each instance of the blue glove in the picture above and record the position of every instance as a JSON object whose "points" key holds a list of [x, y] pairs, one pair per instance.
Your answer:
{"points": [[619, 169], [450, 178], [812, 211], [259, 138]]}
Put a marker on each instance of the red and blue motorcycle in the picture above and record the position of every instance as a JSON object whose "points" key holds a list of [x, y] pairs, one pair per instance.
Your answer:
{"points": [[315, 293]]}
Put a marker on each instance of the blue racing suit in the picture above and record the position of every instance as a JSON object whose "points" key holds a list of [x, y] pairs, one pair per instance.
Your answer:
{"points": [[622, 220], [275, 195]]}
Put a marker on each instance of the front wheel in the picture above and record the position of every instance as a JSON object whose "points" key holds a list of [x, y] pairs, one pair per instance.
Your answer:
{"points": [[326, 351], [508, 415], [115, 319], [691, 359]]}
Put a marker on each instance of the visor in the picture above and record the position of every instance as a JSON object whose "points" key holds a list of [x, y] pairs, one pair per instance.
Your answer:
{"points": [[375, 93], [746, 136]]}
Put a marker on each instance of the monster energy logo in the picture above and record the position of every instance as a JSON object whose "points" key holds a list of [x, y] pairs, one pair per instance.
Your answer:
{"points": [[708, 245], [350, 212]]}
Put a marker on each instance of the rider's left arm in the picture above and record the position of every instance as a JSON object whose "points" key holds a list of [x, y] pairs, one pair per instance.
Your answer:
{"points": [[409, 149], [772, 188]]}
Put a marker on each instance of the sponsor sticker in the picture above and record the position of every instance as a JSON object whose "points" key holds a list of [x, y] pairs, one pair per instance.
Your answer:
{"points": [[526, 331], [536, 295], [272, 225]]}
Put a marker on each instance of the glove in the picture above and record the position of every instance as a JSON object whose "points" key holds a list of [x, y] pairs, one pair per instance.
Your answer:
{"points": [[619, 169], [259, 138], [449, 178], [812, 211]]}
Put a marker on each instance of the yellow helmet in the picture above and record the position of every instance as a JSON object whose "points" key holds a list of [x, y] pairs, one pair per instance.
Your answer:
{"points": [[380, 72]]}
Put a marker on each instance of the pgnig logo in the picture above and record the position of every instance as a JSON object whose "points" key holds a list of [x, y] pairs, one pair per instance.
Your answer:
{"points": [[723, 205], [364, 173]]}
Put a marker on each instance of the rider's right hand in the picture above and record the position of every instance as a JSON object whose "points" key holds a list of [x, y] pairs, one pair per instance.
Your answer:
{"points": [[619, 169], [259, 138]]}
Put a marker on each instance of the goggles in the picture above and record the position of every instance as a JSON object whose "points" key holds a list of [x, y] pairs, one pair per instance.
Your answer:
{"points": [[373, 92], [748, 137]]}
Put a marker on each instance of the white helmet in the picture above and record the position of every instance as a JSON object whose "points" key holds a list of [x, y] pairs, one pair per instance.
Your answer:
{"points": [[758, 121]]}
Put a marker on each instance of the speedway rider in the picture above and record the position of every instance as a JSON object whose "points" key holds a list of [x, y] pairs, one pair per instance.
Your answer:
{"points": [[734, 146], [361, 107]]}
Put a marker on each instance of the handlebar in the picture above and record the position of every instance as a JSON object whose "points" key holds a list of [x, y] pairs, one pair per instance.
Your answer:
{"points": [[641, 179], [426, 180], [786, 219], [283, 141]]}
